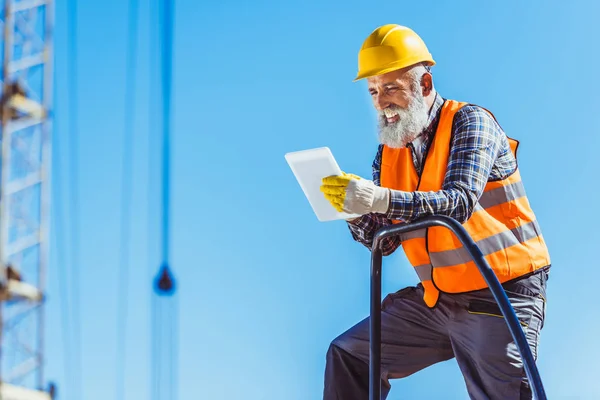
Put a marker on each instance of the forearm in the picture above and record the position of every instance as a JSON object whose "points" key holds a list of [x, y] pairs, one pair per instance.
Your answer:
{"points": [[363, 230], [456, 201]]}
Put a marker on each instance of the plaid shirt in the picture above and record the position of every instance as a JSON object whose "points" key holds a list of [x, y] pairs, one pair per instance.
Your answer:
{"points": [[479, 152]]}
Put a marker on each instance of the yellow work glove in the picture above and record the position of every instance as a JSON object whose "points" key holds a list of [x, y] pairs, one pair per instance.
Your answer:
{"points": [[352, 194]]}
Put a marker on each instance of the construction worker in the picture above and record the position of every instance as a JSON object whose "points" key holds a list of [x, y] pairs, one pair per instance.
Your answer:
{"points": [[439, 157]]}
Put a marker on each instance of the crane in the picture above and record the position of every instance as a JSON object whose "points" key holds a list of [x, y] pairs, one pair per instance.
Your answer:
{"points": [[25, 106], [26, 126]]}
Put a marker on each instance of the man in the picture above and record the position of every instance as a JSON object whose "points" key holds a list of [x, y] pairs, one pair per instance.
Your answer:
{"points": [[442, 157]]}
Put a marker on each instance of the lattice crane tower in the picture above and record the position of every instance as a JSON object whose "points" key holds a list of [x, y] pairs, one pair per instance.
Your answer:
{"points": [[25, 103]]}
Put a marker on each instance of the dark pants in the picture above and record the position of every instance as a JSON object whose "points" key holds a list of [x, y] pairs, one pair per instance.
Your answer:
{"points": [[468, 327]]}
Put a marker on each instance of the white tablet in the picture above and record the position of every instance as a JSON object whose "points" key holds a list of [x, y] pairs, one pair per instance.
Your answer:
{"points": [[309, 168]]}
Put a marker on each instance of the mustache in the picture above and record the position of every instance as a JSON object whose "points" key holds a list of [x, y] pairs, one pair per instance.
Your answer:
{"points": [[402, 114], [392, 107]]}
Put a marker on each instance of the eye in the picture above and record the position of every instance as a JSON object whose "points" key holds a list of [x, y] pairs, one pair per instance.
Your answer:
{"points": [[391, 90]]}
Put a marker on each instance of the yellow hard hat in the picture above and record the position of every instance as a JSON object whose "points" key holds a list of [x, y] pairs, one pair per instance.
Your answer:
{"points": [[391, 47]]}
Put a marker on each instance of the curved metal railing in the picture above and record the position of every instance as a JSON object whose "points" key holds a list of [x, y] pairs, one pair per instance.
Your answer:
{"points": [[488, 274]]}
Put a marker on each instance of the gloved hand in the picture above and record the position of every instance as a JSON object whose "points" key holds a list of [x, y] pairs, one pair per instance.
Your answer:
{"points": [[351, 194]]}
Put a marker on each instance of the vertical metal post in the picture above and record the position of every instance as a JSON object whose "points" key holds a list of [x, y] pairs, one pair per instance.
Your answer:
{"points": [[375, 326], [486, 271]]}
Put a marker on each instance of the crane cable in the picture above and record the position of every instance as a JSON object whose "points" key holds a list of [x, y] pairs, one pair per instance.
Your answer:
{"points": [[166, 146], [61, 252], [126, 189], [163, 329]]}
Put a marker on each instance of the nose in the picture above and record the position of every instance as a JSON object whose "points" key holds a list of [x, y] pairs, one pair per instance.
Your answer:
{"points": [[380, 102]]}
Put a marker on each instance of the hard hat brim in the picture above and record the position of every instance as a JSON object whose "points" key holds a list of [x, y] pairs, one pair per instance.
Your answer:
{"points": [[394, 67]]}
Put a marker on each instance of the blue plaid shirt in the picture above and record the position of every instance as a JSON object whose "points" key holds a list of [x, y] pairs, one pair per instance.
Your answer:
{"points": [[479, 152]]}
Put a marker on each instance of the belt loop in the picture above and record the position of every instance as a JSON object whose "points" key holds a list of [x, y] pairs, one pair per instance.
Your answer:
{"points": [[546, 274]]}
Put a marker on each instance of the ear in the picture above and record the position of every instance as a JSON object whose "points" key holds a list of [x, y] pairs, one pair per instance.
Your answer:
{"points": [[427, 84]]}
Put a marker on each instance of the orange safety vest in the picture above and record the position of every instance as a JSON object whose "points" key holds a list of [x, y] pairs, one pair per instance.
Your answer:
{"points": [[502, 224]]}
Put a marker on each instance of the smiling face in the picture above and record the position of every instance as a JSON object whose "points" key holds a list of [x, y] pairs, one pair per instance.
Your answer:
{"points": [[402, 99]]}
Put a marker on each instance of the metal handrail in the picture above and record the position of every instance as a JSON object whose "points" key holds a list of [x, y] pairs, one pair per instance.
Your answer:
{"points": [[486, 271]]}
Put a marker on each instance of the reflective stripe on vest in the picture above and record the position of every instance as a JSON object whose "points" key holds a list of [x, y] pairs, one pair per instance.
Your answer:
{"points": [[502, 224]]}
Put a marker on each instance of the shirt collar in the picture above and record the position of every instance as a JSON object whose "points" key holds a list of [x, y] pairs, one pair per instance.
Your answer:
{"points": [[438, 102], [434, 113]]}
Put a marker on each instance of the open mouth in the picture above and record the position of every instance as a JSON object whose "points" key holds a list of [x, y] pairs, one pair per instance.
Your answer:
{"points": [[391, 116]]}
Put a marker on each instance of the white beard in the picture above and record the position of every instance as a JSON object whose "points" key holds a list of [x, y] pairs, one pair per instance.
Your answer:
{"points": [[411, 123]]}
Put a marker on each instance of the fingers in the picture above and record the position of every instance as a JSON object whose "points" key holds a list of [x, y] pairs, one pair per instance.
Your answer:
{"points": [[340, 180], [336, 201], [333, 190], [336, 180], [334, 198], [351, 176]]}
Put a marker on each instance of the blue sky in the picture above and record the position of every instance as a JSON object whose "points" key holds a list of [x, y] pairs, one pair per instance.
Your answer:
{"points": [[263, 287]]}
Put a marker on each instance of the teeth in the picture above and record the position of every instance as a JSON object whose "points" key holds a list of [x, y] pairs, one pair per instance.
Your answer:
{"points": [[389, 113]]}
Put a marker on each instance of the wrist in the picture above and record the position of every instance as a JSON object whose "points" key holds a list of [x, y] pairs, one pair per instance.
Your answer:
{"points": [[381, 200]]}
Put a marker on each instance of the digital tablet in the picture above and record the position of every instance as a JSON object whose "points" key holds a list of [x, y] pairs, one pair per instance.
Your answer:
{"points": [[309, 168]]}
